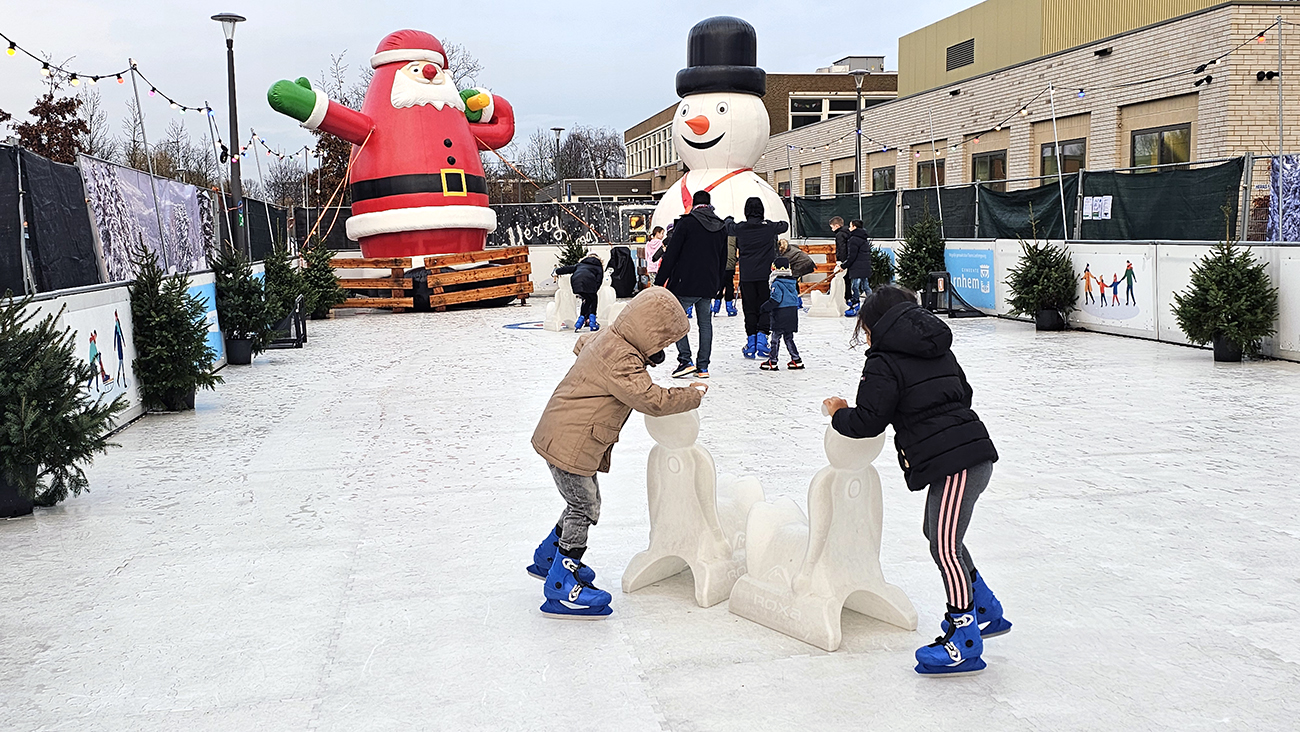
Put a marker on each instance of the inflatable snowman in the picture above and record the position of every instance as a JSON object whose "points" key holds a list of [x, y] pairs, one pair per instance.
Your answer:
{"points": [[721, 127]]}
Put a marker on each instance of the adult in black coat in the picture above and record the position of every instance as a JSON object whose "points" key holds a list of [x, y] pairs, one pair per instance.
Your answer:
{"points": [[755, 251], [691, 269], [842, 251], [912, 380]]}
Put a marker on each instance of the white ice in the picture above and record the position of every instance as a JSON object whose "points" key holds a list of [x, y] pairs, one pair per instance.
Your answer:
{"points": [[336, 540]]}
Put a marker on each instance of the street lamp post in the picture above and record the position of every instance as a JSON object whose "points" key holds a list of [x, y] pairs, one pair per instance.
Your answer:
{"points": [[858, 75], [238, 234], [555, 163]]}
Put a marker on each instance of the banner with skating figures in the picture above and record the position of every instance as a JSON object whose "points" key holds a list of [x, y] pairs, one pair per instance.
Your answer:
{"points": [[1115, 289], [122, 203]]}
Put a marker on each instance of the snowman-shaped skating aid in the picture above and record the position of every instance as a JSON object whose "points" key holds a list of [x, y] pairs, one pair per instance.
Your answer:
{"points": [[721, 127]]}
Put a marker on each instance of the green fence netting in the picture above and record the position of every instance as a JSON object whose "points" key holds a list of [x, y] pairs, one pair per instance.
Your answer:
{"points": [[1171, 204], [958, 209], [812, 215], [1007, 215]]}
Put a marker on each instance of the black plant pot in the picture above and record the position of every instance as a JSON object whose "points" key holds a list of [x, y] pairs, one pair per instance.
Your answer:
{"points": [[239, 351], [1049, 320], [12, 503], [180, 401], [1225, 351]]}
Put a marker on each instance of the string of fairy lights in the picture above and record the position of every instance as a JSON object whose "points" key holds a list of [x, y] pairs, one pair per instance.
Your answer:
{"points": [[1023, 111]]}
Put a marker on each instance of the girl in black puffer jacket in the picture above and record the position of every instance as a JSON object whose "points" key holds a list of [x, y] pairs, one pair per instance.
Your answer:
{"points": [[913, 381]]}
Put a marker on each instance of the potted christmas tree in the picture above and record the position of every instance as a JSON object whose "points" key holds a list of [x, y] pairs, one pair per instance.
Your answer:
{"points": [[882, 268], [922, 253], [284, 285], [170, 333], [320, 282], [49, 425], [1230, 301], [241, 307], [1043, 284]]}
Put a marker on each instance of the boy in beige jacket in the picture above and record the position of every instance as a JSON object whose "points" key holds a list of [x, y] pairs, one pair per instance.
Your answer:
{"points": [[580, 425]]}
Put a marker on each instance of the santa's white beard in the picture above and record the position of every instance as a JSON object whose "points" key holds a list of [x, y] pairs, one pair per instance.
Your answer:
{"points": [[410, 93]]}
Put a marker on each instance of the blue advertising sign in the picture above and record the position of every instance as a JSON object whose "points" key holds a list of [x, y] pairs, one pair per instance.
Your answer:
{"points": [[972, 275], [208, 294]]}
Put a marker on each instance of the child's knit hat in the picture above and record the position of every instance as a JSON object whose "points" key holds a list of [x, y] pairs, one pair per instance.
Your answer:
{"points": [[781, 263]]}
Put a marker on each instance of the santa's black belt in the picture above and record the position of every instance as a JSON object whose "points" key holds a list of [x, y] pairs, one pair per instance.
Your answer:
{"points": [[450, 182]]}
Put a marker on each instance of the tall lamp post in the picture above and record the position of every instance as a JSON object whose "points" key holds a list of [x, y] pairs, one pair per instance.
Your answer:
{"points": [[555, 163], [238, 234], [858, 75]]}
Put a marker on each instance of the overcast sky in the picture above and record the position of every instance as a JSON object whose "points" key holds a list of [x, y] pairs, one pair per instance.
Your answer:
{"points": [[560, 64]]}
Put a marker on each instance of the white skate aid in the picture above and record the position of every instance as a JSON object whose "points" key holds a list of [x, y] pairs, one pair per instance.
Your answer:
{"points": [[802, 572], [693, 524], [829, 305], [563, 310]]}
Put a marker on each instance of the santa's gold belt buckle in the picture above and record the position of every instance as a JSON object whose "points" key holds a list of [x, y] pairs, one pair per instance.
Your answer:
{"points": [[453, 182]]}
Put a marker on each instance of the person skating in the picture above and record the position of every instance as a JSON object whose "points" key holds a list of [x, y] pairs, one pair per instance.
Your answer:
{"points": [[755, 251], [912, 380], [587, 277], [578, 429], [857, 267], [801, 265], [727, 292], [783, 304], [841, 254], [691, 269], [654, 252]]}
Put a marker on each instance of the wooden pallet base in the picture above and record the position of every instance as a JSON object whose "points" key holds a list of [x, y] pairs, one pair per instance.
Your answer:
{"points": [[511, 264]]}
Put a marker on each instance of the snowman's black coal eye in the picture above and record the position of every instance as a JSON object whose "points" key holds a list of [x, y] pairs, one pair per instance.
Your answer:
{"points": [[722, 107]]}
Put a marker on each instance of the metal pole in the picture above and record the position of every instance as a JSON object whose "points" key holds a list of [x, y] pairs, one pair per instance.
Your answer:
{"points": [[1281, 199], [238, 234], [1248, 180], [153, 186], [216, 158], [266, 205], [1060, 174], [934, 172], [29, 280], [1078, 209], [857, 158]]}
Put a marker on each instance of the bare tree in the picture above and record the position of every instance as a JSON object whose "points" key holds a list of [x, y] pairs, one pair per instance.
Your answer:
{"points": [[132, 144], [253, 189], [284, 182], [591, 152], [98, 140], [462, 64]]}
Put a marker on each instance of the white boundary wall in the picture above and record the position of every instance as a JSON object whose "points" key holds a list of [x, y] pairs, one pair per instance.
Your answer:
{"points": [[1166, 264]]}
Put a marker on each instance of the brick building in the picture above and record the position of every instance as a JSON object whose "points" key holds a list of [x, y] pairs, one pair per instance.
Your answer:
{"points": [[792, 101], [1133, 98]]}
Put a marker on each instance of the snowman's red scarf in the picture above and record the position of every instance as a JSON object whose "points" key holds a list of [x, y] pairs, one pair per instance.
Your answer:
{"points": [[686, 194]]}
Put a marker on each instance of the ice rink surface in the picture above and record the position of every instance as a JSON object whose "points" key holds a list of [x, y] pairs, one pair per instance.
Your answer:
{"points": [[336, 540]]}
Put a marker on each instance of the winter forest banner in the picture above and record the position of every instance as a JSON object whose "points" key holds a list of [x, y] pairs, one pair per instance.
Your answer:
{"points": [[1284, 181], [122, 202]]}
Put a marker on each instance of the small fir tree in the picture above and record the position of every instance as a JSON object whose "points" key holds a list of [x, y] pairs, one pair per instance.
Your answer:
{"points": [[49, 425], [572, 251], [284, 283], [922, 253], [1231, 296], [882, 268], [241, 300], [170, 334], [320, 281]]}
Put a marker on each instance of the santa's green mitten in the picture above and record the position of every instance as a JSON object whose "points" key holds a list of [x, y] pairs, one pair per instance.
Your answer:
{"points": [[478, 105], [293, 98]]}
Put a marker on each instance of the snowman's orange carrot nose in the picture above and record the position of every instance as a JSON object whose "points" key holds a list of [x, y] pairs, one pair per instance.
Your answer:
{"points": [[699, 125]]}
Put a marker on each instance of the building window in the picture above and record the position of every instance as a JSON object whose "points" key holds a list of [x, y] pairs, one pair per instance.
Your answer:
{"points": [[812, 186], [926, 175], [1074, 155], [840, 107], [844, 183], [989, 167], [804, 112], [962, 54], [783, 188], [882, 179], [1162, 146]]}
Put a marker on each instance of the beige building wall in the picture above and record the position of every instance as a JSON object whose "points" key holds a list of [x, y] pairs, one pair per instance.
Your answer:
{"points": [[1076, 127], [1233, 115]]}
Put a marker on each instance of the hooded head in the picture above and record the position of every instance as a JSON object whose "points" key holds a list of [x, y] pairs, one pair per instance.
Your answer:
{"points": [[652, 321], [753, 207], [898, 324]]}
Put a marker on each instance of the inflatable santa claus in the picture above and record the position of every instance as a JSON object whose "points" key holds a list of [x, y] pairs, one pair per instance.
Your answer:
{"points": [[417, 183]]}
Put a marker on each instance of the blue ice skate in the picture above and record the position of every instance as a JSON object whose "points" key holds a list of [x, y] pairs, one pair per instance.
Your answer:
{"points": [[717, 305], [731, 309], [852, 312], [763, 349], [956, 651], [988, 611], [544, 556], [593, 324], [570, 598], [581, 321], [750, 349]]}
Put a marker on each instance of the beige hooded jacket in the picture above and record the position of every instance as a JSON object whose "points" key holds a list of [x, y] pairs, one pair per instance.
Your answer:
{"points": [[582, 420]]}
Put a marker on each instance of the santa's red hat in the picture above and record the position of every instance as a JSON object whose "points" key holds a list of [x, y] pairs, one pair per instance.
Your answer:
{"points": [[409, 45]]}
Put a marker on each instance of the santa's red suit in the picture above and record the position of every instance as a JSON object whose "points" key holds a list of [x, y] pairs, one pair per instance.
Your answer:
{"points": [[417, 183]]}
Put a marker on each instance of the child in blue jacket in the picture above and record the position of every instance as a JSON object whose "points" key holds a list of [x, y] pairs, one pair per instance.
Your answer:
{"points": [[784, 306]]}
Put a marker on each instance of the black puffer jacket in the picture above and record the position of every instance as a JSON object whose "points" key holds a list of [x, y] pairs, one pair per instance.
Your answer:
{"points": [[858, 262], [913, 381], [694, 255], [842, 244], [756, 246], [588, 275]]}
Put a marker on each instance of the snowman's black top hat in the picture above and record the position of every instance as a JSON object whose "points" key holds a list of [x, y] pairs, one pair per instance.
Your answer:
{"points": [[721, 56]]}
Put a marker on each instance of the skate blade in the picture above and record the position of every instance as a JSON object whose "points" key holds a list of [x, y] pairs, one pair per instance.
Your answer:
{"points": [[536, 572], [995, 629], [554, 609], [968, 668]]}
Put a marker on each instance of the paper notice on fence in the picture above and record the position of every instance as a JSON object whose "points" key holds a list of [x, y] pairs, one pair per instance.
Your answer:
{"points": [[1105, 207]]}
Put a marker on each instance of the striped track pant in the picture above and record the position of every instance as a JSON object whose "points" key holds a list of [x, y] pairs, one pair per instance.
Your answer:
{"points": [[947, 513]]}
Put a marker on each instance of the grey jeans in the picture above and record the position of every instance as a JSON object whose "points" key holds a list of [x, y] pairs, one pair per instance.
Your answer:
{"points": [[703, 316], [947, 513], [582, 510]]}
